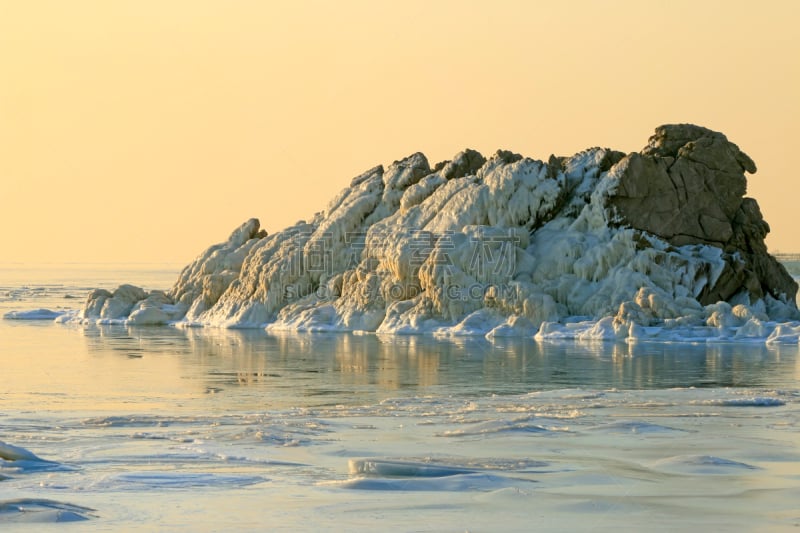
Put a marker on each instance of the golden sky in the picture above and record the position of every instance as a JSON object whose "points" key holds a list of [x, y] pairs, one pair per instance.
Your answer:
{"points": [[146, 130]]}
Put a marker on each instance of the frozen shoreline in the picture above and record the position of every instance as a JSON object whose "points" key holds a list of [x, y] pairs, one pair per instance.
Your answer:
{"points": [[137, 427], [732, 329]]}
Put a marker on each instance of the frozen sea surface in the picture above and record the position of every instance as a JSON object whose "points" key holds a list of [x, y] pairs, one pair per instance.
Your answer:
{"points": [[121, 428]]}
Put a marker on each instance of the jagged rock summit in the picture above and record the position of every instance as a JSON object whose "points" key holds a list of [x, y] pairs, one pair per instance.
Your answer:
{"points": [[687, 186], [595, 245]]}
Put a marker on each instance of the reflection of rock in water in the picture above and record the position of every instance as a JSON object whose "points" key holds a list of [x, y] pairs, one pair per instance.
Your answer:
{"points": [[501, 246], [308, 363]]}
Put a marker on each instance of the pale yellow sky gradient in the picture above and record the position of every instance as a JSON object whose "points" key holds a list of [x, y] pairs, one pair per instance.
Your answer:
{"points": [[147, 130]]}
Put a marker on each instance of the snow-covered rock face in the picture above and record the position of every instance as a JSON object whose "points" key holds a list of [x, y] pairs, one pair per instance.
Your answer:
{"points": [[501, 246]]}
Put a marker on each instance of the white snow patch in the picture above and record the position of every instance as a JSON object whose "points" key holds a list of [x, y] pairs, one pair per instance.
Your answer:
{"points": [[34, 314]]}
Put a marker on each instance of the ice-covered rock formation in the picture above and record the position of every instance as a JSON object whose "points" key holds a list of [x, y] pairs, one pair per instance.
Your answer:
{"points": [[596, 245]]}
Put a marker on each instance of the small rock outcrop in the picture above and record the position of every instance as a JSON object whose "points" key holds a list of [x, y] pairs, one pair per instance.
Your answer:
{"points": [[503, 246]]}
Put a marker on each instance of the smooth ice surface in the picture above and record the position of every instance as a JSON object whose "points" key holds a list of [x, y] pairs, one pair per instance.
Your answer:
{"points": [[128, 428]]}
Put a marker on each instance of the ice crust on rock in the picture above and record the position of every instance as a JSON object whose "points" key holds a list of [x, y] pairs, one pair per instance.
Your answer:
{"points": [[659, 244]]}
